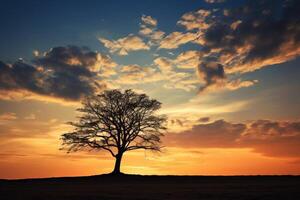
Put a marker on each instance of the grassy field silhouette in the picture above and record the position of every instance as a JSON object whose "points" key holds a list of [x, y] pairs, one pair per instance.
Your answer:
{"points": [[153, 187]]}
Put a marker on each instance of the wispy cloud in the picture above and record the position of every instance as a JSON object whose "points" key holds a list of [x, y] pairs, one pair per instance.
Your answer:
{"points": [[136, 74], [175, 39], [123, 46], [148, 28], [7, 117]]}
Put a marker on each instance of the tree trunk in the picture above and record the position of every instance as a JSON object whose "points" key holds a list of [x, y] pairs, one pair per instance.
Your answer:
{"points": [[118, 164]]}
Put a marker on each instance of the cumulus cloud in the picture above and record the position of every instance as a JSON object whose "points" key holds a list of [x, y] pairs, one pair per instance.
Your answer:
{"points": [[164, 64], [62, 72], [170, 69], [248, 37], [123, 46], [212, 73], [149, 29], [106, 65], [270, 138], [80, 60], [199, 20], [215, 78], [149, 20], [237, 40]]}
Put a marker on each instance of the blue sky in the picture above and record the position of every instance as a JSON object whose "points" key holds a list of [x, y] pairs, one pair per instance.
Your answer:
{"points": [[43, 24], [40, 25]]}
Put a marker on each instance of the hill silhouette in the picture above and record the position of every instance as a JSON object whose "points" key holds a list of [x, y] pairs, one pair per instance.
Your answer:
{"points": [[153, 187]]}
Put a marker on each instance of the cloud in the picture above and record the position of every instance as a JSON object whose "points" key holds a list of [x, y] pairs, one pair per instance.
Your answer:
{"points": [[212, 73], [163, 71], [136, 74], [149, 20], [273, 138], [200, 106], [175, 39], [196, 20], [7, 117], [23, 128], [238, 83], [215, 79], [235, 24], [62, 72], [164, 64], [214, 1], [79, 60], [185, 60], [237, 40], [204, 119], [182, 81], [185, 80], [23, 94], [106, 65], [176, 80], [270, 138], [149, 29], [123, 46], [36, 53], [217, 134], [189, 59], [30, 117], [248, 37]]}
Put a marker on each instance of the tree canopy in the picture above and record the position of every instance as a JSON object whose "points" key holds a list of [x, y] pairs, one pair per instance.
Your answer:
{"points": [[116, 122]]}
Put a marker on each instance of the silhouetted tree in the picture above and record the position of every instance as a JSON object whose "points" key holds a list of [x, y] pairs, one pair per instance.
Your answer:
{"points": [[117, 122]]}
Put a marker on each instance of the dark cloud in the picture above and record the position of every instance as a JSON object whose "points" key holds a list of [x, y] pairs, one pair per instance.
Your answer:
{"points": [[177, 121], [18, 75], [204, 119], [256, 34], [63, 72], [70, 60], [270, 138], [273, 138], [212, 73], [245, 37], [216, 134]]}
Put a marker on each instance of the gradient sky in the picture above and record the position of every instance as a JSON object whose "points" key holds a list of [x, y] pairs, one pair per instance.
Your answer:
{"points": [[227, 73]]}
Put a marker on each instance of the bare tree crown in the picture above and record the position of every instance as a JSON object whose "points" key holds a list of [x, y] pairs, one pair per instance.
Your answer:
{"points": [[117, 122]]}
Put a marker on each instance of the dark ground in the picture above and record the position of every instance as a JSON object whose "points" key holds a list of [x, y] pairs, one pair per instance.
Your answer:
{"points": [[153, 187]]}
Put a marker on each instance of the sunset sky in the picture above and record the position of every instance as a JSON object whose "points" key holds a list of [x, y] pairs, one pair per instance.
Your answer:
{"points": [[227, 74]]}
